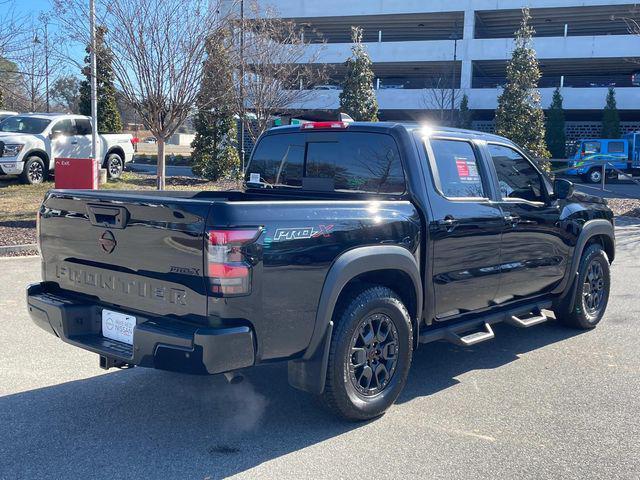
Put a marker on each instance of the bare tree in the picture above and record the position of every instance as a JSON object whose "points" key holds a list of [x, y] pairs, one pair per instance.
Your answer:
{"points": [[281, 67], [35, 65], [12, 34], [12, 31], [437, 97], [158, 48]]}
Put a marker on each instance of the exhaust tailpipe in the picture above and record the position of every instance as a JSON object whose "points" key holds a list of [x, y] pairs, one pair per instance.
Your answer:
{"points": [[233, 377]]}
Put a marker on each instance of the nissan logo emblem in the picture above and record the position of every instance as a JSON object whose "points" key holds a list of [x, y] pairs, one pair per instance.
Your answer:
{"points": [[107, 242]]}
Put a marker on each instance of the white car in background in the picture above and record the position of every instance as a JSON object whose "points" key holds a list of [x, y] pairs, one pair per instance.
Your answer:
{"points": [[30, 143]]}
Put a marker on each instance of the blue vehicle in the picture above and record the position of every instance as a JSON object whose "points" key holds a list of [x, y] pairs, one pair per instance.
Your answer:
{"points": [[620, 154]]}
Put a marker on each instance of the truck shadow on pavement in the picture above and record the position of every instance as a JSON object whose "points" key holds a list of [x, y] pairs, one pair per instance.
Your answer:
{"points": [[150, 424]]}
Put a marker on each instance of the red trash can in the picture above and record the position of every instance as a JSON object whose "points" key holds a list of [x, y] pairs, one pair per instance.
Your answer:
{"points": [[76, 173]]}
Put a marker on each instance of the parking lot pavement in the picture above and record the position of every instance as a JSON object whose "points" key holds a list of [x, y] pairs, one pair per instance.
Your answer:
{"points": [[541, 403], [614, 189]]}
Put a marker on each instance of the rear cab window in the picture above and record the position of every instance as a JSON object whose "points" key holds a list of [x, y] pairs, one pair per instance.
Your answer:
{"points": [[456, 170], [357, 162]]}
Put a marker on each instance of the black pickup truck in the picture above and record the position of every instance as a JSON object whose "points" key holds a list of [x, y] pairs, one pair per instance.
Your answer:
{"points": [[350, 245]]}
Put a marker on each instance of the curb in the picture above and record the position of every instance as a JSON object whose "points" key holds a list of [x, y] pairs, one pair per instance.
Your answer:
{"points": [[4, 250]]}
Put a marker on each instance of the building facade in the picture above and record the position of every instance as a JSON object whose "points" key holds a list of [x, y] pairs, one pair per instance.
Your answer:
{"points": [[423, 50]]}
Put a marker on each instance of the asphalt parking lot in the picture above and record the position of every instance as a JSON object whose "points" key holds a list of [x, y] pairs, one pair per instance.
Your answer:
{"points": [[541, 403]]}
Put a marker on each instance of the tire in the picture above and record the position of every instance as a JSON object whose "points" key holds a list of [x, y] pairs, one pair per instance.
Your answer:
{"points": [[356, 359], [114, 165], [34, 171], [594, 175], [592, 291]]}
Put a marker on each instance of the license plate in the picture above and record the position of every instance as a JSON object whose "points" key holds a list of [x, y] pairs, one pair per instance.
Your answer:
{"points": [[118, 326]]}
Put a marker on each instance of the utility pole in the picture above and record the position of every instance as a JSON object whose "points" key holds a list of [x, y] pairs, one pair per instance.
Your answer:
{"points": [[94, 84], [242, 112]]}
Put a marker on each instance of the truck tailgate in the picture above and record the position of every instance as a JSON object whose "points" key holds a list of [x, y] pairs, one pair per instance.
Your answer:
{"points": [[139, 252]]}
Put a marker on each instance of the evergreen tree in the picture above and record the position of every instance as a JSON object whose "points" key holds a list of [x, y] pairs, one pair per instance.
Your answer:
{"points": [[109, 120], [556, 138], [214, 152], [519, 116], [611, 117], [358, 98], [465, 116]]}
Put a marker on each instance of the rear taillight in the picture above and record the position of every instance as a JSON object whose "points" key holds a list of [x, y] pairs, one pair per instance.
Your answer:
{"points": [[228, 265]]}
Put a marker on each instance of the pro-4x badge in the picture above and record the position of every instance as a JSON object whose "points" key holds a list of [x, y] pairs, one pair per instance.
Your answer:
{"points": [[302, 232]]}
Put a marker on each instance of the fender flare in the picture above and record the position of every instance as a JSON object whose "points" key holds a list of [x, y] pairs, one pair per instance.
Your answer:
{"points": [[39, 152], [114, 149], [309, 372], [589, 230]]}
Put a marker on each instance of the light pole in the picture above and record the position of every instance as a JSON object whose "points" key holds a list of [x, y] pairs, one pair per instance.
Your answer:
{"points": [[242, 112], [94, 84], [454, 36]]}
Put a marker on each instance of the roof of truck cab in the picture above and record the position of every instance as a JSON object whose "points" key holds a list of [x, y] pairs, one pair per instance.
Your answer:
{"points": [[51, 116], [410, 126]]}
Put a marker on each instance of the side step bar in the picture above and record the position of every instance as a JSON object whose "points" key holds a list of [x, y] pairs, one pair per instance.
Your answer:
{"points": [[471, 338], [527, 321], [524, 316]]}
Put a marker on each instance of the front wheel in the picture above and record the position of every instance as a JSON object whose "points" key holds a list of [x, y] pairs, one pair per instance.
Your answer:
{"points": [[369, 356], [594, 175], [592, 291], [34, 171], [114, 165]]}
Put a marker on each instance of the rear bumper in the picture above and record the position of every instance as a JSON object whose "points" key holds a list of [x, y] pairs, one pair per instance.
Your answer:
{"points": [[157, 342]]}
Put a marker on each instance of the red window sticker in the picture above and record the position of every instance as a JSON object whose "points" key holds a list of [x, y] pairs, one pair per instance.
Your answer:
{"points": [[463, 167]]}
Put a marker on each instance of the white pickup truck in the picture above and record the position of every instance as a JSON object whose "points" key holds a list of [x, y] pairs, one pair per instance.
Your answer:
{"points": [[30, 143]]}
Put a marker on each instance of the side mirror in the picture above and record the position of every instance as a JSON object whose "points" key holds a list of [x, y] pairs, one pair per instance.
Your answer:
{"points": [[563, 188], [54, 135]]}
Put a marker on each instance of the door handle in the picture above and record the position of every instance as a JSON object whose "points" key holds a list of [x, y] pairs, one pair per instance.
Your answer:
{"points": [[75, 142], [511, 219], [448, 223]]}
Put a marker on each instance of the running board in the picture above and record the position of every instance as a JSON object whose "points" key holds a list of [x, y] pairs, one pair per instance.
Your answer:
{"points": [[471, 338], [526, 322], [522, 316]]}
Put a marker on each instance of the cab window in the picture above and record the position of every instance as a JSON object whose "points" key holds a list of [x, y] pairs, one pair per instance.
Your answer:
{"points": [[590, 148], [517, 177], [83, 126], [458, 172]]}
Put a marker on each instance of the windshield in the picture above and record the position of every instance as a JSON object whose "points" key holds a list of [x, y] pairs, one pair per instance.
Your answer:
{"points": [[24, 125]]}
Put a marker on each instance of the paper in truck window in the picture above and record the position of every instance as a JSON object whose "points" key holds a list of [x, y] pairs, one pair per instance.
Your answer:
{"points": [[467, 169], [254, 178]]}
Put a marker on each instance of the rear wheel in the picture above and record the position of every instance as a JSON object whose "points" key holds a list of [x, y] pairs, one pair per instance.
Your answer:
{"points": [[114, 165], [34, 171], [370, 355], [592, 291]]}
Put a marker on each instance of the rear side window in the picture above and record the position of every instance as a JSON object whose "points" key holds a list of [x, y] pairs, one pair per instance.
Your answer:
{"points": [[83, 126], [279, 160], [64, 127], [340, 161], [458, 172], [616, 147]]}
